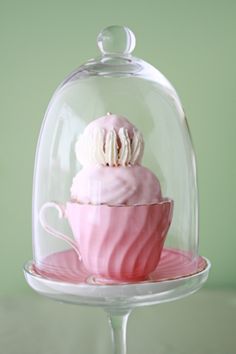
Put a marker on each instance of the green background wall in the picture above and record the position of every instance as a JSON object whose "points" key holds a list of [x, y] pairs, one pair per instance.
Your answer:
{"points": [[191, 42]]}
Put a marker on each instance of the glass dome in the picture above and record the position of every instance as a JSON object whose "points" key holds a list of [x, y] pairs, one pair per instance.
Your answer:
{"points": [[115, 192]]}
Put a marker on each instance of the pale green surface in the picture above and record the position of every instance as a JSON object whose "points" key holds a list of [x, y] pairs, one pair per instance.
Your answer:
{"points": [[203, 323], [191, 42]]}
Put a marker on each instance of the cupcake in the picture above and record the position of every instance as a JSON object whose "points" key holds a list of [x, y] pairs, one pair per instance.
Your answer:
{"points": [[117, 213]]}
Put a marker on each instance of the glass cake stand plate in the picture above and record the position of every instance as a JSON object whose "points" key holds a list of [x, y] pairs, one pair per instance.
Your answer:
{"points": [[172, 280]]}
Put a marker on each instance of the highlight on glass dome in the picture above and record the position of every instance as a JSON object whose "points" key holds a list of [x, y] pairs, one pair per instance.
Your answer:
{"points": [[115, 191]]}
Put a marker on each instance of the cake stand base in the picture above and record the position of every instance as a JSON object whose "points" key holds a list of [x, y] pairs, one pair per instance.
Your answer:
{"points": [[122, 296], [118, 300]]}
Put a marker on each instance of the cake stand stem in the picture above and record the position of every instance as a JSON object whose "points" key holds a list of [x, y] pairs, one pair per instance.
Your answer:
{"points": [[118, 323]]}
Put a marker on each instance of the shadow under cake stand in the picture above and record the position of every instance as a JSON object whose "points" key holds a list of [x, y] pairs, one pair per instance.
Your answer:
{"points": [[175, 277]]}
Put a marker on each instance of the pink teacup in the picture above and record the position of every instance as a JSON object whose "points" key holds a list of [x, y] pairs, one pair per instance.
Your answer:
{"points": [[122, 243]]}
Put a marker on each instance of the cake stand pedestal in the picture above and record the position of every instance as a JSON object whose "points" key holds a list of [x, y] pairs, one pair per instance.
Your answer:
{"points": [[170, 282]]}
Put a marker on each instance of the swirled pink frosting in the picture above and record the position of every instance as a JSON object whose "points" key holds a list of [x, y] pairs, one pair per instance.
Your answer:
{"points": [[132, 185]]}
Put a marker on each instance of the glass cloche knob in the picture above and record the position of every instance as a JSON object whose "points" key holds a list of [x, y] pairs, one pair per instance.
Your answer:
{"points": [[116, 40]]}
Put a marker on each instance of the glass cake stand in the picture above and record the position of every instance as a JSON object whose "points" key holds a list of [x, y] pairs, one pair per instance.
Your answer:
{"points": [[171, 280], [117, 82]]}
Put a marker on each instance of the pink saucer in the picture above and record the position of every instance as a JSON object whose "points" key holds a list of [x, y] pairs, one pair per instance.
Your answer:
{"points": [[65, 266]]}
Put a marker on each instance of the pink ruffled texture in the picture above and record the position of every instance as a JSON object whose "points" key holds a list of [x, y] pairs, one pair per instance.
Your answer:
{"points": [[122, 243], [133, 185]]}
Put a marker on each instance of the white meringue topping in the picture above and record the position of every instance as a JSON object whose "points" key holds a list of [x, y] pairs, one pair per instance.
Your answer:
{"points": [[109, 148]]}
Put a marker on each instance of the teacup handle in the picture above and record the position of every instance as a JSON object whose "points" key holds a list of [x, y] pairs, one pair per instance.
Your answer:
{"points": [[62, 214]]}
